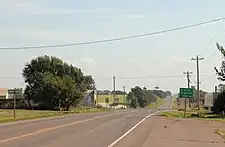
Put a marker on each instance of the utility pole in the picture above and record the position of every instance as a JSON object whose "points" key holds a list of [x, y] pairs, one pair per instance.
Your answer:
{"points": [[188, 82], [198, 91], [14, 104], [215, 95], [188, 77], [114, 91], [124, 96]]}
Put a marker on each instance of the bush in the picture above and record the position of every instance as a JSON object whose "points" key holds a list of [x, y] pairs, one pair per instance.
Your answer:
{"points": [[219, 104], [9, 104]]}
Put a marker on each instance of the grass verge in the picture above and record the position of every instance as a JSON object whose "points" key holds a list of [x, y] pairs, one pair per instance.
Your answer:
{"points": [[201, 114], [159, 101], [221, 133], [7, 115]]}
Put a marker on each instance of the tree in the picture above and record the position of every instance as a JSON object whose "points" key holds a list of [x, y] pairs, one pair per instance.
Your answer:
{"points": [[140, 95], [219, 102], [107, 100], [221, 72], [131, 97], [50, 81], [89, 82]]}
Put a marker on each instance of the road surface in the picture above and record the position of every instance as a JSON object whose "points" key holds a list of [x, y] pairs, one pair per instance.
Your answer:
{"points": [[81, 130], [158, 131]]}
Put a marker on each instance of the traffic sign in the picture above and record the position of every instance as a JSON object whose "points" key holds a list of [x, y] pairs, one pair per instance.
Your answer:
{"points": [[186, 93]]}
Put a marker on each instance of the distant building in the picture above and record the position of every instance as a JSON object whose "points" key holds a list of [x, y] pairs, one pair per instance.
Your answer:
{"points": [[3, 93], [6, 93], [89, 98]]}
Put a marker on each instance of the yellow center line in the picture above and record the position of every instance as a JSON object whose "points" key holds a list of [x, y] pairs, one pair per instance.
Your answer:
{"points": [[56, 127]]}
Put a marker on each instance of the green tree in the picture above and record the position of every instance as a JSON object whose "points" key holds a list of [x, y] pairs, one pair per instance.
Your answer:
{"points": [[107, 100], [89, 82], [133, 100], [140, 95], [50, 80], [219, 103]]}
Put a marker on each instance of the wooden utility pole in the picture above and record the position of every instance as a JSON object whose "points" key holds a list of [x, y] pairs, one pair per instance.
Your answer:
{"points": [[188, 78], [124, 96], [188, 83], [114, 91], [215, 95], [14, 104], [198, 91]]}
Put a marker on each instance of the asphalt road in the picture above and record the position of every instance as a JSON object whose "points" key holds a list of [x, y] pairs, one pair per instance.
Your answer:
{"points": [[81, 130]]}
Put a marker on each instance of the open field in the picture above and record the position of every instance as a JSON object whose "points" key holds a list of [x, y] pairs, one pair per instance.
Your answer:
{"points": [[6, 115], [159, 101], [101, 98]]}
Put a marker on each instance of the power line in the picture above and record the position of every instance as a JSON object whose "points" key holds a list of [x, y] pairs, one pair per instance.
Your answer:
{"points": [[122, 78], [212, 41], [114, 39], [213, 37]]}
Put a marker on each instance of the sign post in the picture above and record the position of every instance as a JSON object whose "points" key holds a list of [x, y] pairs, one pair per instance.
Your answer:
{"points": [[186, 93]]}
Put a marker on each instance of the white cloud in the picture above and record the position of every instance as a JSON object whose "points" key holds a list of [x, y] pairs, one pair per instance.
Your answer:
{"points": [[136, 16], [37, 34], [87, 65], [60, 11], [88, 61], [42, 7]]}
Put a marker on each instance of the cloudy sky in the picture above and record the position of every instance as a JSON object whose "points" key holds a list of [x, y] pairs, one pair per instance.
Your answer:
{"points": [[159, 60]]}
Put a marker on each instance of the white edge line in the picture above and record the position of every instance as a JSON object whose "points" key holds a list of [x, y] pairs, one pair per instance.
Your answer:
{"points": [[129, 131]]}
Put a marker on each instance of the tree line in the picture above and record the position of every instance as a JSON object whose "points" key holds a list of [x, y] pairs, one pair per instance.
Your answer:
{"points": [[141, 97]]}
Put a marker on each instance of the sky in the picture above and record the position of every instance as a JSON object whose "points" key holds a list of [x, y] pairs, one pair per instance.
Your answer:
{"points": [[159, 60]]}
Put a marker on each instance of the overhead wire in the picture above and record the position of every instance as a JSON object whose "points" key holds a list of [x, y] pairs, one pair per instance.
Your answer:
{"points": [[113, 39], [213, 38], [123, 77]]}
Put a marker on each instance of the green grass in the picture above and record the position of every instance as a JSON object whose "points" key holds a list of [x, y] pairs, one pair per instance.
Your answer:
{"points": [[221, 133], [194, 113], [159, 101], [101, 98], [6, 115], [175, 114]]}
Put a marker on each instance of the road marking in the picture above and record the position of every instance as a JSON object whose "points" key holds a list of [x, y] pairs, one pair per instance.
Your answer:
{"points": [[56, 127], [129, 131], [41, 119], [35, 120]]}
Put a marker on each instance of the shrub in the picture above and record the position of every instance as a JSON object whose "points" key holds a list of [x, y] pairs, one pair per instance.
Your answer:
{"points": [[219, 104]]}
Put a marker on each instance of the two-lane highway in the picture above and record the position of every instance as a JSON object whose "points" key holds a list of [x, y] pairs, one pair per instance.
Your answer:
{"points": [[82, 130], [96, 130]]}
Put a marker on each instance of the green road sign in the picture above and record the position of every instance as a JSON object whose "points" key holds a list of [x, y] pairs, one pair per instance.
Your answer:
{"points": [[186, 93]]}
